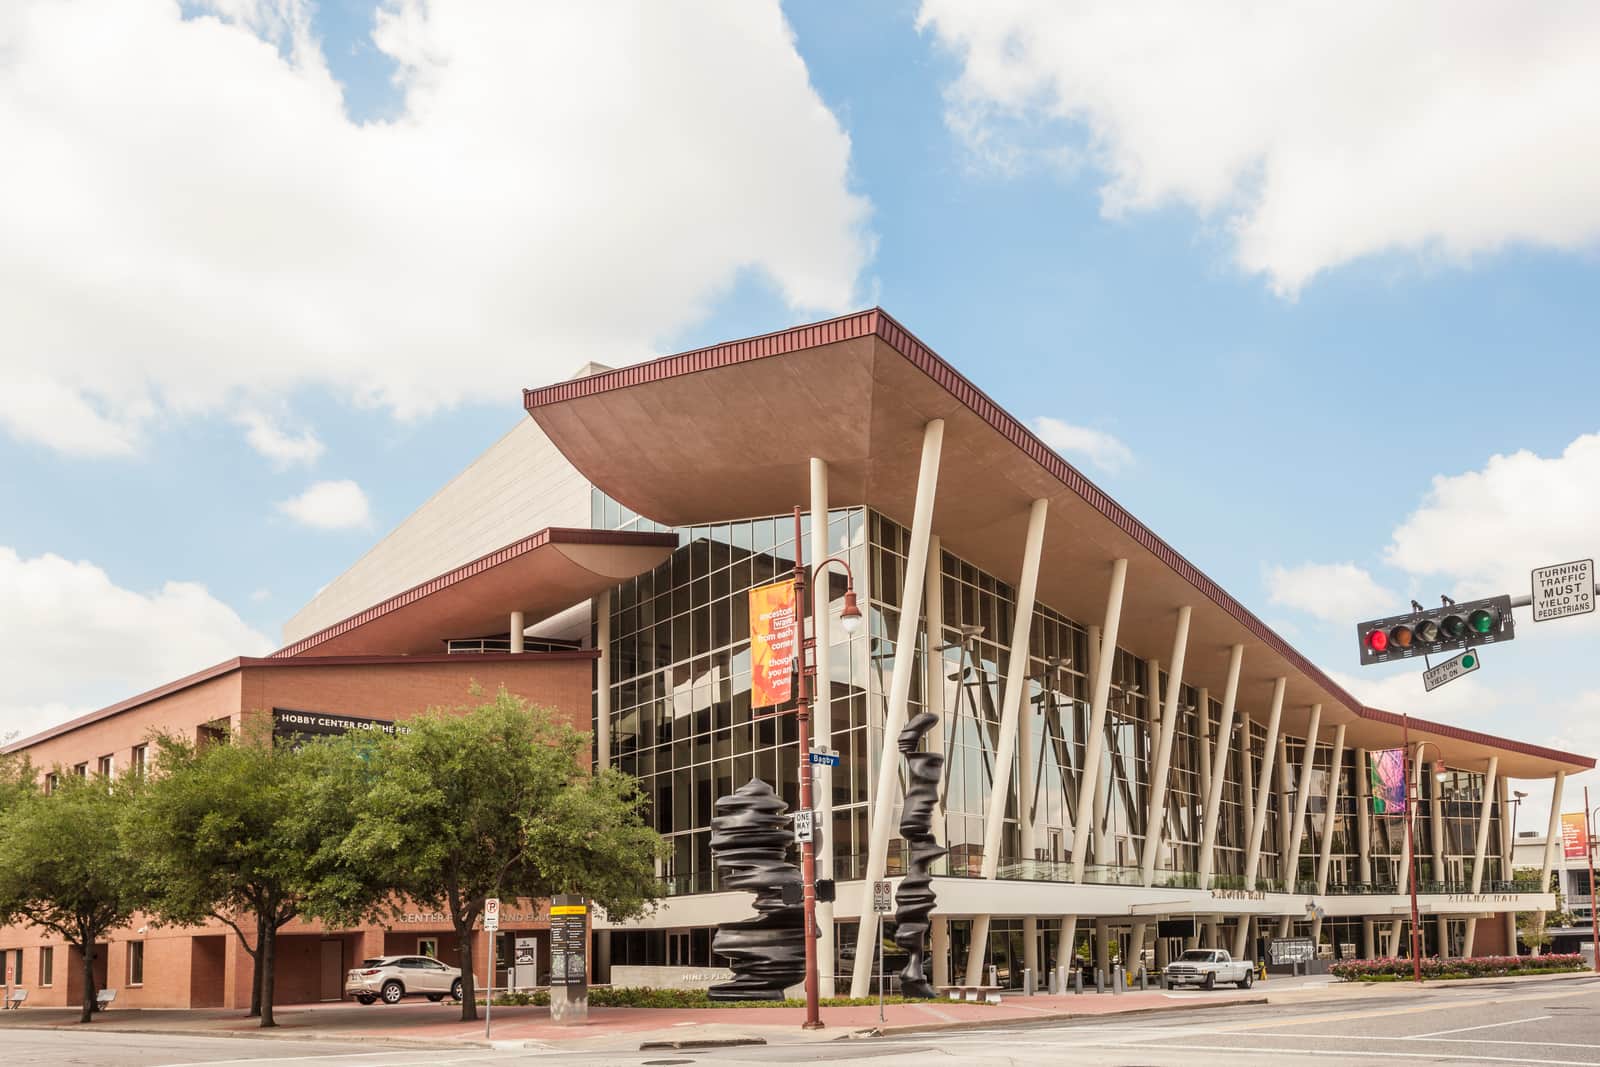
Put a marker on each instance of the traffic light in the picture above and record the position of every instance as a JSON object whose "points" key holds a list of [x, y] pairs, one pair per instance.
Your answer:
{"points": [[1442, 629]]}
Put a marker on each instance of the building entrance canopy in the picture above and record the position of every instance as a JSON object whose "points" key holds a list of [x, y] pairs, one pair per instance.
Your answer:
{"points": [[539, 576], [728, 432]]}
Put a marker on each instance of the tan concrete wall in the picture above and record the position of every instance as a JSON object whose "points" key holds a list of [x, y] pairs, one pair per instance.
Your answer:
{"points": [[521, 485]]}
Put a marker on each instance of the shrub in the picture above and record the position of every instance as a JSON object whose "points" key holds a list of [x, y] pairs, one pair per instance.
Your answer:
{"points": [[647, 997], [1392, 968]]}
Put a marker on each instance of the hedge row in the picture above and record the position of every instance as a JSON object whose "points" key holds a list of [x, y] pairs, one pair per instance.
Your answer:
{"points": [[645, 997], [1393, 967]]}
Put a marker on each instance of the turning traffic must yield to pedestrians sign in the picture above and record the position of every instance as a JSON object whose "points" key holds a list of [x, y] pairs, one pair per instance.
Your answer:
{"points": [[1563, 589]]}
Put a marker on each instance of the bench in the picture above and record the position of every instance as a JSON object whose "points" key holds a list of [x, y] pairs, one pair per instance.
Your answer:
{"points": [[103, 999], [989, 994], [15, 998]]}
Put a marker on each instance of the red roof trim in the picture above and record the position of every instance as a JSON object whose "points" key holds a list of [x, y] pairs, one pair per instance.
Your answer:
{"points": [[880, 323], [560, 535], [242, 662], [1459, 733]]}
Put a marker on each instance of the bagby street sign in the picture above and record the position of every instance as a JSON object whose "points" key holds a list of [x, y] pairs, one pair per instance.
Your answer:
{"points": [[1450, 670], [823, 759], [1563, 589]]}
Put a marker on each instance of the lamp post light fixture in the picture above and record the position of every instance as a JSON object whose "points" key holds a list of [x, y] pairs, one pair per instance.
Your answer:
{"points": [[850, 622], [1411, 837]]}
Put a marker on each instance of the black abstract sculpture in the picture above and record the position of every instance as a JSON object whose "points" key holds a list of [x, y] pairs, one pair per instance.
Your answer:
{"points": [[914, 899], [750, 842]]}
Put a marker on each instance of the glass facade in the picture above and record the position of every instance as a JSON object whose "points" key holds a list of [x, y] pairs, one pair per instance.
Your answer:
{"points": [[681, 721]]}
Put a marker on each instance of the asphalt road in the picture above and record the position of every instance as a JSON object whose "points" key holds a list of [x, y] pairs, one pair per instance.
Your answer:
{"points": [[1551, 1023]]}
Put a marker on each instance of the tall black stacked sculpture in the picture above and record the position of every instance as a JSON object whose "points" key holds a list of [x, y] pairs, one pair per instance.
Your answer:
{"points": [[914, 899], [750, 842]]}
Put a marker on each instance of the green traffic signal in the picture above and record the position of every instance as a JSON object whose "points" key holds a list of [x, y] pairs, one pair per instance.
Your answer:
{"points": [[1454, 626], [1481, 621]]}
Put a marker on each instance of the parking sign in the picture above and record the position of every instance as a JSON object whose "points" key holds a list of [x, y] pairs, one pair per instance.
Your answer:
{"points": [[491, 914]]}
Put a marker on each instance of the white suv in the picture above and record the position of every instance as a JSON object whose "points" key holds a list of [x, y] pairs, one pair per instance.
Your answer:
{"points": [[388, 978]]}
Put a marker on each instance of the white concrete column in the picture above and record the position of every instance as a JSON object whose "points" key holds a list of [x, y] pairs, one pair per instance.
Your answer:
{"points": [[1503, 796], [1363, 817], [1247, 782], [516, 628], [940, 935], [1155, 818], [1030, 950], [1552, 837], [1099, 839], [1102, 947], [1202, 721], [1130, 966], [1066, 937], [1480, 853], [881, 823], [1259, 823], [1331, 819], [1219, 770], [822, 716], [1435, 818], [602, 691], [1369, 947], [1010, 701], [1097, 717], [1291, 862]]}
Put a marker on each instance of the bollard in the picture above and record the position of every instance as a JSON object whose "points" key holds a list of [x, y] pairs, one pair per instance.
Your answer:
{"points": [[1116, 979], [1055, 981], [994, 975], [1099, 980], [1144, 979], [1027, 981], [1077, 980]]}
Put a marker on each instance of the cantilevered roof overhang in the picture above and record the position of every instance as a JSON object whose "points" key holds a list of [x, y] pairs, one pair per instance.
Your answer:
{"points": [[539, 576], [728, 432]]}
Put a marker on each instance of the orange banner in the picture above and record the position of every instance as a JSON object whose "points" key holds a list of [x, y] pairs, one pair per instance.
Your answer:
{"points": [[771, 643], [1574, 836]]}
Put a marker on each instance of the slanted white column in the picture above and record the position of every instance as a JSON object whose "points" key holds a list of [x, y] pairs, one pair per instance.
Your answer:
{"points": [[1097, 718], [1247, 782], [882, 819], [1503, 794], [822, 717], [1155, 817], [1066, 938], [1005, 751], [602, 690], [1363, 818], [1480, 853], [933, 695], [1252, 858], [1325, 855], [1099, 840], [1551, 837], [1219, 769], [1291, 861]]}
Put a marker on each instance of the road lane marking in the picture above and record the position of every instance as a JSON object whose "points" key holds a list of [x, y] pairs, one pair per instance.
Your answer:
{"points": [[1454, 1058], [1485, 1026]]}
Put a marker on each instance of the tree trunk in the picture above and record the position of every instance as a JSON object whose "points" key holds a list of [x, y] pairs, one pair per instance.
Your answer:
{"points": [[255, 964], [469, 995], [266, 953], [87, 955]]}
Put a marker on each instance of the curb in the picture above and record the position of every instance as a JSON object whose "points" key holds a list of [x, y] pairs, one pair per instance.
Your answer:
{"points": [[273, 1034], [1042, 1020], [693, 1043]]}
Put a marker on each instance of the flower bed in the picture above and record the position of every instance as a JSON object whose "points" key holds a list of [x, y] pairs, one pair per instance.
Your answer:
{"points": [[645, 997], [1395, 968]]}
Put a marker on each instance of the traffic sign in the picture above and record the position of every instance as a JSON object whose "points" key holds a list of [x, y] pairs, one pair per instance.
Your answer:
{"points": [[804, 823], [1450, 670], [1563, 589], [882, 897], [491, 914], [824, 759]]}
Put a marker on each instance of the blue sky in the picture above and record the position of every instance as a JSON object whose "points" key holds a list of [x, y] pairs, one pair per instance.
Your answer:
{"points": [[1284, 363]]}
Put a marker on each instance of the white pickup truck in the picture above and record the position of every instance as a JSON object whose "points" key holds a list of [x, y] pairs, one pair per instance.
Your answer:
{"points": [[1210, 967]]}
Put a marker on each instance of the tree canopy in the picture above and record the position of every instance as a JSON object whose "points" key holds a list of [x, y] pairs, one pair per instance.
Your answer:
{"points": [[62, 866]]}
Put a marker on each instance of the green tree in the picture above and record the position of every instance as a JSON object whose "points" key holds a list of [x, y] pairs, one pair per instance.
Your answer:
{"points": [[18, 779], [497, 800], [246, 832], [62, 865]]}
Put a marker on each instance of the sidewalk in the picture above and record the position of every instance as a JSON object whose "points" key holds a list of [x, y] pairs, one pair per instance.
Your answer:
{"points": [[619, 1028]]}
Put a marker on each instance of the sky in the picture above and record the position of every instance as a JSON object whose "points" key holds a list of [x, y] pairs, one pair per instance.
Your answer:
{"points": [[1310, 288]]}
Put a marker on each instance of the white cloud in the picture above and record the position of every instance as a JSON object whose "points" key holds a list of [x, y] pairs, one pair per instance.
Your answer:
{"points": [[273, 442], [1098, 447], [1481, 532], [1332, 592], [561, 183], [1320, 133], [338, 505], [260, 595], [71, 640]]}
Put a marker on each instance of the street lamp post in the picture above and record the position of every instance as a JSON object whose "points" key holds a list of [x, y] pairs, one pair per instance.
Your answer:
{"points": [[1594, 898], [1411, 838], [850, 619]]}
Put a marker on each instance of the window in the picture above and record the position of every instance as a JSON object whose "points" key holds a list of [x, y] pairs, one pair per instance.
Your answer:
{"points": [[141, 760], [428, 946], [47, 965], [51, 780], [104, 766], [211, 733], [81, 770], [136, 963]]}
